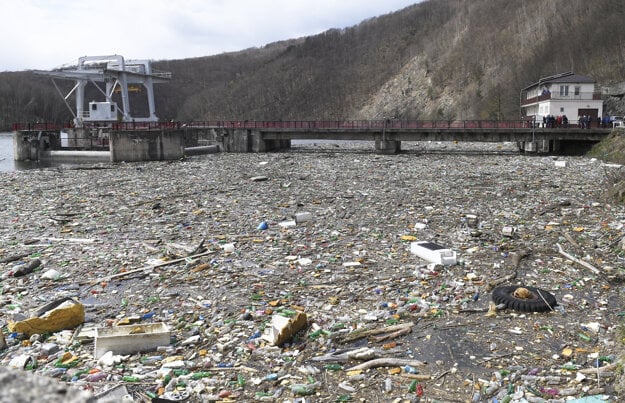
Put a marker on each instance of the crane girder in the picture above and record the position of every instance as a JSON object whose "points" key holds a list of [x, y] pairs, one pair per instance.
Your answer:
{"points": [[114, 71]]}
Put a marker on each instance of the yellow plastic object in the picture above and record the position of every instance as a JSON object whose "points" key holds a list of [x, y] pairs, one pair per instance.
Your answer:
{"points": [[62, 314], [282, 329]]}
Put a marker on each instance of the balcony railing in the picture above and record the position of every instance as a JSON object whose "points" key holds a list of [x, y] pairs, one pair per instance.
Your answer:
{"points": [[582, 96]]}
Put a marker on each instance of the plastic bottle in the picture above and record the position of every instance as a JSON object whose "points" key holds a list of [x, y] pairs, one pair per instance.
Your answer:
{"points": [[271, 377], [151, 359], [410, 369], [303, 389], [241, 380], [96, 377], [201, 374], [333, 367], [388, 385]]}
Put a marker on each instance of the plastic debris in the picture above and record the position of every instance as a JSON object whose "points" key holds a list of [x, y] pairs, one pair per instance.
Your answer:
{"points": [[129, 339], [62, 314], [296, 287], [283, 329], [433, 253]]}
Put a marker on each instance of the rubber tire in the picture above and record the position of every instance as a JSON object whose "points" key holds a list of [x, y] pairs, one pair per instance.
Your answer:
{"points": [[505, 295]]}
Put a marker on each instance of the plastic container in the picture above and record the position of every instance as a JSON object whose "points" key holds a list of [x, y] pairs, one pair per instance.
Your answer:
{"points": [[303, 217], [433, 253], [129, 339]]}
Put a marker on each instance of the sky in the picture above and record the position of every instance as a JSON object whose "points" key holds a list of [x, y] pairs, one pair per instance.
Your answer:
{"points": [[48, 34]]}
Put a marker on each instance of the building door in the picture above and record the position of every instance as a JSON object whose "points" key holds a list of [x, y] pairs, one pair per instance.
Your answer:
{"points": [[593, 113], [590, 112]]}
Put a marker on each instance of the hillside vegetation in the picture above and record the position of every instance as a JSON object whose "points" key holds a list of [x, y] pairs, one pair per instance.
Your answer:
{"points": [[464, 59]]}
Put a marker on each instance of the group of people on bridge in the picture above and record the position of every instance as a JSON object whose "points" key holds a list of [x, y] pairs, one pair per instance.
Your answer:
{"points": [[585, 121], [551, 121]]}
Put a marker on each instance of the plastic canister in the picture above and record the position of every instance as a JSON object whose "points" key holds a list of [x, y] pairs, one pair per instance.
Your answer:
{"points": [[303, 217]]}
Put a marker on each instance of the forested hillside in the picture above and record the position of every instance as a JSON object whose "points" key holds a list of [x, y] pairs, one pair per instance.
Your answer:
{"points": [[465, 59]]}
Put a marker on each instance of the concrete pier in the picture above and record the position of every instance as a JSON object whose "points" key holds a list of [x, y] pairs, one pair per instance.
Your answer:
{"points": [[131, 146], [387, 146]]}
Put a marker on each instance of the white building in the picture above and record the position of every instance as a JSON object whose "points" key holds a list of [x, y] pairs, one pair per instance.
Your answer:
{"points": [[565, 94]]}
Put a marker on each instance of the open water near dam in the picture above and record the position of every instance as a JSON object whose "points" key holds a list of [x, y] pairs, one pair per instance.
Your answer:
{"points": [[6, 152], [7, 164]]}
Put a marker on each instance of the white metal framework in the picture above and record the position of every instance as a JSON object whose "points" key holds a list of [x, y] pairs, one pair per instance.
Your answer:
{"points": [[118, 75]]}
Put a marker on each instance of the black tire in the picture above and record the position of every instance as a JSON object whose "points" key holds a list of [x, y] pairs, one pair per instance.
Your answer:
{"points": [[505, 295]]}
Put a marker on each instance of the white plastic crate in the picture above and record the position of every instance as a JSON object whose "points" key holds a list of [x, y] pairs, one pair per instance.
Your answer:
{"points": [[433, 253], [130, 339]]}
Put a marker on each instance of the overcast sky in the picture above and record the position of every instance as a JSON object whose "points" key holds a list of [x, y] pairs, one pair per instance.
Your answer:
{"points": [[46, 34]]}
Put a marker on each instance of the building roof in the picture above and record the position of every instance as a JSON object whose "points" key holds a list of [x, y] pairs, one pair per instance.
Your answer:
{"points": [[568, 77]]}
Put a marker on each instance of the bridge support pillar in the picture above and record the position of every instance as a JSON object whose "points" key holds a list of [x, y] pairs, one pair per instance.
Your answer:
{"points": [[29, 146], [21, 147], [132, 146], [540, 146], [261, 145], [387, 146]]}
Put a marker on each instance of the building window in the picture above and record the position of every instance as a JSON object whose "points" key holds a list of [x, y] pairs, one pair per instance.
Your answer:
{"points": [[94, 107], [112, 108], [564, 90], [561, 109], [578, 89]]}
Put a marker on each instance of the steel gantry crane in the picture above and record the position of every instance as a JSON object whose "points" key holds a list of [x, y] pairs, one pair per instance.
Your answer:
{"points": [[117, 74]]}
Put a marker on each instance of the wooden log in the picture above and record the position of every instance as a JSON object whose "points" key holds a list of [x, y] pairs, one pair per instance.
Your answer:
{"points": [[386, 362], [578, 261], [360, 334], [400, 332], [152, 266]]}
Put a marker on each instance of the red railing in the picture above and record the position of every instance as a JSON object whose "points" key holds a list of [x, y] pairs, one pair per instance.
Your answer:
{"points": [[38, 127], [333, 124], [301, 125]]}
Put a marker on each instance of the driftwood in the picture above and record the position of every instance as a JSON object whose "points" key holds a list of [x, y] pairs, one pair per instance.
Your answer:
{"points": [[13, 258], [497, 281], [578, 261], [364, 353], [400, 332], [555, 206], [361, 334], [569, 238], [386, 362], [152, 266], [516, 257], [599, 370], [418, 377]]}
